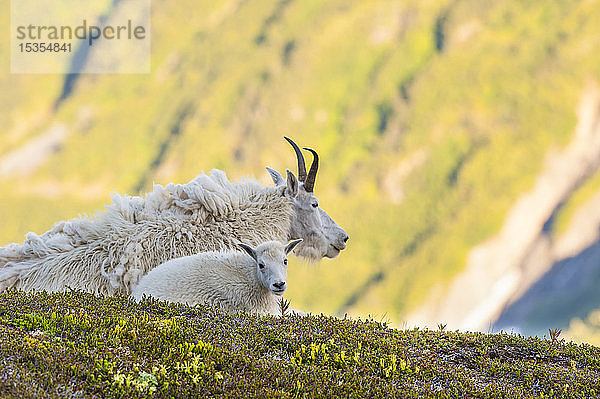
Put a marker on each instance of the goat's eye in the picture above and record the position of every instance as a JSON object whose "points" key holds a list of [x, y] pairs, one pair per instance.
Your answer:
{"points": [[285, 261], [315, 205], [261, 266]]}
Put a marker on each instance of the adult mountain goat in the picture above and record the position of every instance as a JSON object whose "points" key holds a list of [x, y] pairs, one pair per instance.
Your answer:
{"points": [[233, 281], [108, 253]]}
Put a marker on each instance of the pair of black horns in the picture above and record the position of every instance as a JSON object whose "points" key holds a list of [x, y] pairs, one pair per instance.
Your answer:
{"points": [[307, 179]]}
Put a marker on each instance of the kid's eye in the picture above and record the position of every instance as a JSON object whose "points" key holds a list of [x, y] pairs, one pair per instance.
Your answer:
{"points": [[285, 261], [315, 205], [261, 266]]}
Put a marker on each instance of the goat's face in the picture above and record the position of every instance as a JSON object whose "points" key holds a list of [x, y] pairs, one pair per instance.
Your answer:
{"points": [[321, 234], [271, 263]]}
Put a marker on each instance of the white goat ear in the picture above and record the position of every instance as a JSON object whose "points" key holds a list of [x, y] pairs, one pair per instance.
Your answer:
{"points": [[292, 184], [249, 250], [291, 245], [277, 178]]}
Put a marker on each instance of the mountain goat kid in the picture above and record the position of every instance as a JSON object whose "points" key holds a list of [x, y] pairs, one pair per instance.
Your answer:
{"points": [[230, 280]]}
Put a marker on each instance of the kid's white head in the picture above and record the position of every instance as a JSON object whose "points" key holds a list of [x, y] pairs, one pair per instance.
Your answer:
{"points": [[271, 263]]}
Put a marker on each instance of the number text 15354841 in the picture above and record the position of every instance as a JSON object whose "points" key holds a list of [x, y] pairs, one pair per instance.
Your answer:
{"points": [[43, 47]]}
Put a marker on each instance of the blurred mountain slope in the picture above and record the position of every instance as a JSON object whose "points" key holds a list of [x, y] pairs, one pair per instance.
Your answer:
{"points": [[431, 119]]}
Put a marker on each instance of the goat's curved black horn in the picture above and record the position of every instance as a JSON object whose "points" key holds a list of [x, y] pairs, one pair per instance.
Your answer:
{"points": [[309, 183], [301, 164]]}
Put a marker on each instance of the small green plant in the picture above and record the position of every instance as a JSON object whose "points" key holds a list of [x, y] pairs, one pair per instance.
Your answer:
{"points": [[554, 334], [326, 353], [388, 365], [284, 306], [441, 326]]}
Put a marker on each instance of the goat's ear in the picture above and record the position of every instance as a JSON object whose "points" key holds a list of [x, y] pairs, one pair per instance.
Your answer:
{"points": [[292, 184], [291, 245], [277, 178], [248, 249]]}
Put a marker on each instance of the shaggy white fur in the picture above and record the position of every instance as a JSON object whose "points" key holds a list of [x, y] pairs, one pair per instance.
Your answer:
{"points": [[108, 253], [233, 281]]}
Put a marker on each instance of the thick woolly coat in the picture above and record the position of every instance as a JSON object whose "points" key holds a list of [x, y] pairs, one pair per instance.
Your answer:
{"points": [[224, 279], [135, 234]]}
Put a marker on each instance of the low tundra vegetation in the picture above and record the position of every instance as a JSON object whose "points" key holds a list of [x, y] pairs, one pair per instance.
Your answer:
{"points": [[78, 345]]}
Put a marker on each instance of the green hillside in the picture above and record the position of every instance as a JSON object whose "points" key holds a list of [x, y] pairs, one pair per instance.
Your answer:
{"points": [[78, 345], [430, 119]]}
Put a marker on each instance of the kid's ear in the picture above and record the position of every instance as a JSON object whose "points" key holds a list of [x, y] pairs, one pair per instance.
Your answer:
{"points": [[291, 245], [291, 189], [249, 250]]}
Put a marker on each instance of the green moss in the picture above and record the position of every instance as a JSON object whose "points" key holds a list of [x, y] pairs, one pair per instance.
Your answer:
{"points": [[76, 344]]}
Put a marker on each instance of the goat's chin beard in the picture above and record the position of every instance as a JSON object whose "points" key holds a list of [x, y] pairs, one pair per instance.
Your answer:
{"points": [[332, 252], [309, 253], [313, 255]]}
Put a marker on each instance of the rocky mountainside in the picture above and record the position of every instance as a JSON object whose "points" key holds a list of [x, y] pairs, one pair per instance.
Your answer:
{"points": [[458, 143], [527, 275]]}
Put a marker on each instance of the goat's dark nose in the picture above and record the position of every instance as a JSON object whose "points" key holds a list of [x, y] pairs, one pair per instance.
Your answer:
{"points": [[279, 285], [346, 238]]}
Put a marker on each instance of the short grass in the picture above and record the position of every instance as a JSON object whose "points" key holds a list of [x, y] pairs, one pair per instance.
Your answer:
{"points": [[78, 345]]}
